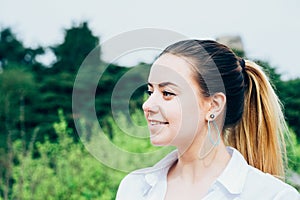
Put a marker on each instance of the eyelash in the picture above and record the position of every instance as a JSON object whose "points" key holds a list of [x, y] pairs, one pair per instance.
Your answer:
{"points": [[149, 92], [165, 93]]}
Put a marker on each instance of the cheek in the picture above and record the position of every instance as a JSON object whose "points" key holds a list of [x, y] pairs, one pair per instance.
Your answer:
{"points": [[191, 111], [183, 111], [191, 120], [173, 110]]}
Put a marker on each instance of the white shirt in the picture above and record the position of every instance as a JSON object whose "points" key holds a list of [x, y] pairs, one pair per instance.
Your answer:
{"points": [[238, 181]]}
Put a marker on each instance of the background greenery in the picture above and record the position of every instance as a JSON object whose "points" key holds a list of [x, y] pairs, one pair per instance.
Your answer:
{"points": [[41, 156]]}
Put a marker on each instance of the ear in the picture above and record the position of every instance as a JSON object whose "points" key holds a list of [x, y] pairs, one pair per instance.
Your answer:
{"points": [[217, 106]]}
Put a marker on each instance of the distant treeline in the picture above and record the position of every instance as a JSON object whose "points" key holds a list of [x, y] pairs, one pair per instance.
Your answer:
{"points": [[31, 93]]}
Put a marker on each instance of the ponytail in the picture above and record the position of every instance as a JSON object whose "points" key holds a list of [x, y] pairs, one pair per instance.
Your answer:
{"points": [[259, 135]]}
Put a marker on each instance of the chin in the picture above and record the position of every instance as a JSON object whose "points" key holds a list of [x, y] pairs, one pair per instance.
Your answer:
{"points": [[160, 142], [157, 143]]}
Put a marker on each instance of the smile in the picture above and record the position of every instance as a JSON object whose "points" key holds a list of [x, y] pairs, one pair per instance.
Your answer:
{"points": [[152, 122]]}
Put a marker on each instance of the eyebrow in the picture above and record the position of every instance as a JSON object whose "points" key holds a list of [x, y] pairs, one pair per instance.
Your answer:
{"points": [[164, 84]]}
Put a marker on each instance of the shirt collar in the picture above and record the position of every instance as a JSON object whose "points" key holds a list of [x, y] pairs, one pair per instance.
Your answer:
{"points": [[236, 170], [234, 176], [165, 163], [153, 174]]}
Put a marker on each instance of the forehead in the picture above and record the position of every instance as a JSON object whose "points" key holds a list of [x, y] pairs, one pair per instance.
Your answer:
{"points": [[171, 68]]}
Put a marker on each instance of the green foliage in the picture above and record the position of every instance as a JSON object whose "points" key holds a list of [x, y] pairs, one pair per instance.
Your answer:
{"points": [[291, 100], [293, 151], [12, 50], [65, 169], [79, 41], [126, 137], [16, 96]]}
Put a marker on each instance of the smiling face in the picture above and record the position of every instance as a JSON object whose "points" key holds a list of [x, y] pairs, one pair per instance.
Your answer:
{"points": [[174, 109]]}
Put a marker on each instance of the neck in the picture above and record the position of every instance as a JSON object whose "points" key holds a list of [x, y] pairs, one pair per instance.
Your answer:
{"points": [[192, 167]]}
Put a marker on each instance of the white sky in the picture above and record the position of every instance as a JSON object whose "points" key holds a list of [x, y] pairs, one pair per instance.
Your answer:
{"points": [[270, 29]]}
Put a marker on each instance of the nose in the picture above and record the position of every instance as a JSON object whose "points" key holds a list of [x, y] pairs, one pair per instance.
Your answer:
{"points": [[150, 106]]}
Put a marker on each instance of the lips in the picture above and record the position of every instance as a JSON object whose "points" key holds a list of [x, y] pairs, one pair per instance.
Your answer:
{"points": [[156, 127], [155, 122]]}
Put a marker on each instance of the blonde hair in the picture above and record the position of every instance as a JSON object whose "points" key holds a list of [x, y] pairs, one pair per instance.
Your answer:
{"points": [[259, 135]]}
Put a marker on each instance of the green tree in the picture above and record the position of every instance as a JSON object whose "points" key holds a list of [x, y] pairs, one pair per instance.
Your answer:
{"points": [[78, 42], [17, 91], [291, 99], [57, 81], [12, 50]]}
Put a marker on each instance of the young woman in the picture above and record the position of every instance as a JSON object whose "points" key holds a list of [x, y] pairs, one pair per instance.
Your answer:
{"points": [[223, 117]]}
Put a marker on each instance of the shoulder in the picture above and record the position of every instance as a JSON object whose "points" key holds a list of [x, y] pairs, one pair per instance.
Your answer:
{"points": [[130, 186], [252, 183], [267, 186], [138, 183]]}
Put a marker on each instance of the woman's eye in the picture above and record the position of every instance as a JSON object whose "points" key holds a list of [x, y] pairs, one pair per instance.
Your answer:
{"points": [[149, 92], [168, 94]]}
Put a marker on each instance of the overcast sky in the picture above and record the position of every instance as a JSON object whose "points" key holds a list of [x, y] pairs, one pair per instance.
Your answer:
{"points": [[270, 29]]}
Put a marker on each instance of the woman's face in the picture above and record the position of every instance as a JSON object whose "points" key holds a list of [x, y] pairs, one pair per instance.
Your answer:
{"points": [[174, 110]]}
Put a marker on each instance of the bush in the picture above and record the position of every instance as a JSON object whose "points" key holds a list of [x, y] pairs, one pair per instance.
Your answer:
{"points": [[66, 170]]}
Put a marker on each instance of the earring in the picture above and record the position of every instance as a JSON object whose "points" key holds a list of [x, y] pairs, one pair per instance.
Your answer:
{"points": [[212, 116], [214, 143]]}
